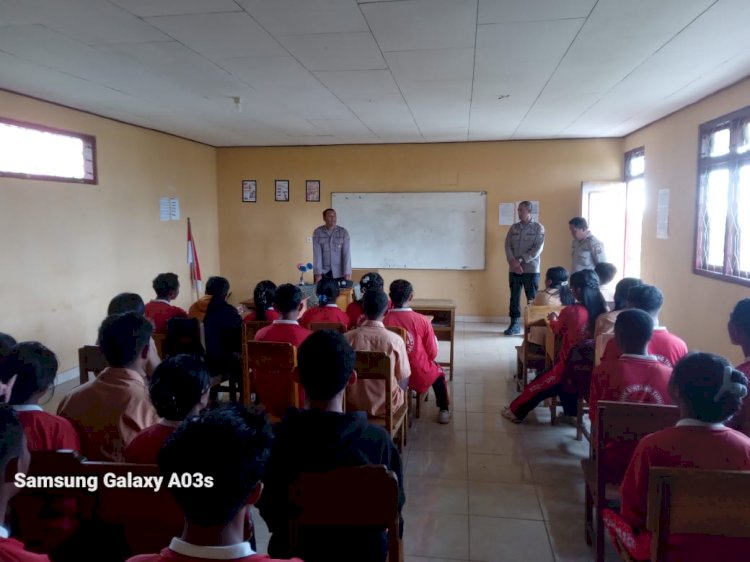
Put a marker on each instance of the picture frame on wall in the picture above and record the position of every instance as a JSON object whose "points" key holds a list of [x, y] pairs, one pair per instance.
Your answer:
{"points": [[249, 191], [282, 190], [312, 191]]}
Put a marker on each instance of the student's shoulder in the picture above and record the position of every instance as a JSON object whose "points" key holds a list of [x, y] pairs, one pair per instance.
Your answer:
{"points": [[12, 550]]}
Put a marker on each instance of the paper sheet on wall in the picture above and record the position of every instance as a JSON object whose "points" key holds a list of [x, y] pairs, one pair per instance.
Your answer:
{"points": [[507, 214], [164, 209], [662, 214], [174, 209]]}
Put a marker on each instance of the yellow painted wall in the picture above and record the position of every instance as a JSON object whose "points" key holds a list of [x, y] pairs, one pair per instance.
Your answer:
{"points": [[68, 248], [696, 308], [266, 239]]}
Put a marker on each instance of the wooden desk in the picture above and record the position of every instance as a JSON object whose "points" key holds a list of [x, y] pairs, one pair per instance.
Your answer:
{"points": [[343, 300], [443, 312]]}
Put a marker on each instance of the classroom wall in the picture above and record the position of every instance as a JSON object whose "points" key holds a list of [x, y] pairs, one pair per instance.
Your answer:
{"points": [[267, 239], [697, 308], [69, 248]]}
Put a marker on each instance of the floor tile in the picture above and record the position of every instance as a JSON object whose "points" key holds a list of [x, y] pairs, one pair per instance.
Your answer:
{"points": [[431, 464], [495, 539], [437, 495], [498, 499], [437, 534], [499, 468]]}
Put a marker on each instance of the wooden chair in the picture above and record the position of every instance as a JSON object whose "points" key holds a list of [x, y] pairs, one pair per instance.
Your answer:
{"points": [[692, 501], [351, 496], [375, 365], [249, 329], [601, 343], [622, 424], [272, 365], [533, 317], [335, 326], [90, 360], [159, 340]]}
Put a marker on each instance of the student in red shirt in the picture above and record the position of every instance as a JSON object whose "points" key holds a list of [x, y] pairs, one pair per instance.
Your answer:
{"points": [[355, 312], [327, 310], [574, 324], [667, 347], [739, 334], [179, 389], [230, 446], [263, 296], [709, 392], [421, 347], [159, 311]]}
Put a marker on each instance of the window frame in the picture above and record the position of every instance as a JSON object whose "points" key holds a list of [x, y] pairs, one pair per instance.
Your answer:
{"points": [[89, 141], [732, 161]]}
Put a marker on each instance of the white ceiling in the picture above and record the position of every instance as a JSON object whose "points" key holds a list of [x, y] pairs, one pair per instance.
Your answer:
{"points": [[374, 71]]}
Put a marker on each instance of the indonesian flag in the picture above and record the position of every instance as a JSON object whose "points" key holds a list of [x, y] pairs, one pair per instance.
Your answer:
{"points": [[192, 259]]}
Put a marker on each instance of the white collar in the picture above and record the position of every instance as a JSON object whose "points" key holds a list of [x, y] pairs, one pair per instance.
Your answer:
{"points": [[230, 552], [162, 300], [660, 328], [404, 309], [281, 321], [332, 306], [637, 356], [4, 532], [691, 422], [169, 423], [28, 408]]}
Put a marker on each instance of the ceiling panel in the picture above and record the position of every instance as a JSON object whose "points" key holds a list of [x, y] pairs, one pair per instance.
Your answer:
{"points": [[147, 8], [435, 64], [305, 17], [335, 51], [504, 11]]}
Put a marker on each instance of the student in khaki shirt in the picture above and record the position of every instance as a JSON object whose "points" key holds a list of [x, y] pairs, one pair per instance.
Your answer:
{"points": [[109, 411], [373, 336]]}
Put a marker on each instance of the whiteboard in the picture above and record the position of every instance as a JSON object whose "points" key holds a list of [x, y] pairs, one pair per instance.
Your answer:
{"points": [[438, 230]]}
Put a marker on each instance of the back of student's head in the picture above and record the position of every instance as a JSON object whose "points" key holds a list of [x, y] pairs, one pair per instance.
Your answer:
{"points": [[34, 367], [324, 360], [263, 296], [327, 291], [6, 344], [165, 285], [606, 272], [371, 281], [288, 298], [646, 297], [622, 289], [740, 318], [177, 385], [374, 304], [126, 302], [11, 439], [217, 288], [586, 282], [708, 386], [122, 337], [633, 330], [229, 445], [559, 279], [400, 292]]}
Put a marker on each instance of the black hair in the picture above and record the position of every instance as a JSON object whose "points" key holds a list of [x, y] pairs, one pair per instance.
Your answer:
{"points": [[177, 385], [217, 287], [11, 438], [698, 378], [6, 344], [164, 284], [400, 292], [126, 302], [327, 291], [263, 296], [587, 283], [606, 272], [35, 368], [579, 222], [230, 445], [287, 298], [325, 360], [526, 204], [558, 278], [646, 297], [122, 337], [374, 304], [633, 330], [740, 317], [328, 209], [622, 289], [371, 280]]}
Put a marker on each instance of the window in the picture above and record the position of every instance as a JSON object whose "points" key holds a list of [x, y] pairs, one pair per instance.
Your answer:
{"points": [[722, 231], [635, 183], [36, 152]]}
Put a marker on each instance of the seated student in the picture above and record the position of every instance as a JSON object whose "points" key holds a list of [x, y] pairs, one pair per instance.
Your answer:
{"points": [[373, 336], [556, 291], [131, 302], [14, 459], [322, 437], [605, 324], [355, 311], [327, 310], [709, 392], [223, 332], [575, 324], [667, 347], [230, 446], [739, 334], [28, 373], [635, 376], [179, 389], [286, 328], [199, 307], [421, 346], [606, 273], [263, 297], [110, 410], [167, 287]]}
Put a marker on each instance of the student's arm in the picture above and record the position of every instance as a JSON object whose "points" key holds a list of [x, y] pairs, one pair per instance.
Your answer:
{"points": [[611, 351], [430, 342], [634, 488], [536, 248]]}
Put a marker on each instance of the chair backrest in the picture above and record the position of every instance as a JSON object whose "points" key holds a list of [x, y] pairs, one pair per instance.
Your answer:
{"points": [[398, 330], [601, 342], [90, 360], [335, 326], [351, 496], [159, 343], [249, 329], [693, 501], [183, 336], [376, 365], [272, 365], [534, 313]]}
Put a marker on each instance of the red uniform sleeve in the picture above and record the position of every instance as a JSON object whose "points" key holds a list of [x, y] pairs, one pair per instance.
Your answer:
{"points": [[429, 341], [611, 351], [634, 488], [304, 320]]}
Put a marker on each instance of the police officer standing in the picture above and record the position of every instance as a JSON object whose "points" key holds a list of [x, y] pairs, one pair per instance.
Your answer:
{"points": [[586, 249], [523, 248], [331, 252]]}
